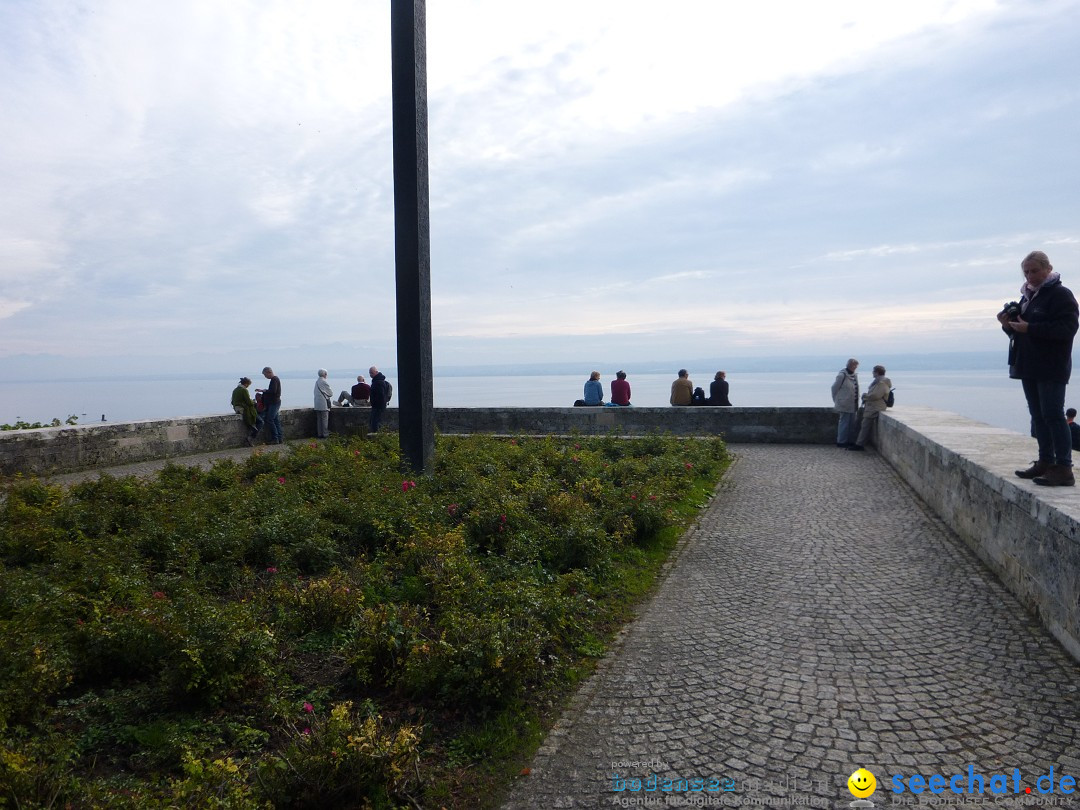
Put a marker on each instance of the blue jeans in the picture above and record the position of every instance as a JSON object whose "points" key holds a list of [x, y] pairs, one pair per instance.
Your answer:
{"points": [[272, 418], [845, 430], [1046, 403]]}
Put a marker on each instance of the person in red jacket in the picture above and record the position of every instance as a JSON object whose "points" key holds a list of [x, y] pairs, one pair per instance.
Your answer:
{"points": [[620, 389]]}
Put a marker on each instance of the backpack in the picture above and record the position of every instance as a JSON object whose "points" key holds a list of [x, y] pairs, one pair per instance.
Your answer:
{"points": [[698, 397], [890, 400], [388, 390]]}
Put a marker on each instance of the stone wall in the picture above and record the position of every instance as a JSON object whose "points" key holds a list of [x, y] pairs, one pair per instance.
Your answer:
{"points": [[1026, 534], [52, 451]]}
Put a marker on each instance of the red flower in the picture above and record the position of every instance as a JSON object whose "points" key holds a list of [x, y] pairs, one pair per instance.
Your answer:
{"points": [[308, 707], [306, 731], [271, 570], [652, 497], [281, 480], [452, 509], [407, 485], [502, 518], [159, 594], [633, 497], [689, 466]]}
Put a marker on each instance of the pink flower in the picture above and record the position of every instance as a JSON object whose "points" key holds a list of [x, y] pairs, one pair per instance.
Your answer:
{"points": [[513, 442], [452, 509], [502, 518], [308, 707], [281, 480], [306, 731], [313, 444], [577, 446], [689, 466], [356, 452], [652, 497], [633, 497], [159, 594], [271, 570], [407, 485], [574, 459]]}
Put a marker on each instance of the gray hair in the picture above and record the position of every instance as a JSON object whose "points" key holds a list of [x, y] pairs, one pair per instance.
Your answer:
{"points": [[1039, 258], [323, 372]]}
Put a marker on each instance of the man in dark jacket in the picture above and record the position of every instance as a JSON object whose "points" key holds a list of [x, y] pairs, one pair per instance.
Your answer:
{"points": [[1040, 356], [379, 397], [272, 401]]}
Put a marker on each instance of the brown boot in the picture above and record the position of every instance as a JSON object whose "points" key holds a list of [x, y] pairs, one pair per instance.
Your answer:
{"points": [[1036, 469], [1057, 476]]}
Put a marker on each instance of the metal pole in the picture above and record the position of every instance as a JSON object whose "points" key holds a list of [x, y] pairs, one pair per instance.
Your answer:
{"points": [[412, 240]]}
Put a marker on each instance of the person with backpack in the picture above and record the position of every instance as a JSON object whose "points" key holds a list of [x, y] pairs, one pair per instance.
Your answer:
{"points": [[381, 391], [874, 401]]}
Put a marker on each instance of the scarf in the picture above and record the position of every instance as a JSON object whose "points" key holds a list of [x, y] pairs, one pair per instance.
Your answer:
{"points": [[1027, 292]]}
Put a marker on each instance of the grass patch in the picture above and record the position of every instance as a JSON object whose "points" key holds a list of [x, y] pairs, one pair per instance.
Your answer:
{"points": [[319, 630]]}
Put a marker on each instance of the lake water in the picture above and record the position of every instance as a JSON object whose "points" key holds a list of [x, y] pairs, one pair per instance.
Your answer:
{"points": [[986, 395]]}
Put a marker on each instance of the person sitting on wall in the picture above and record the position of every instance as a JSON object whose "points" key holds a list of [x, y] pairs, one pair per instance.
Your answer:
{"points": [[620, 389], [1074, 429], [242, 404], [682, 390], [359, 396], [718, 390], [594, 391]]}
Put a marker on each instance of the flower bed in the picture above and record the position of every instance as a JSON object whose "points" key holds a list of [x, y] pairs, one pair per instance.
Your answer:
{"points": [[316, 629]]}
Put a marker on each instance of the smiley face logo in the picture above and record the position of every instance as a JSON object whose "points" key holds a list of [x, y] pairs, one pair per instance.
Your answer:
{"points": [[862, 784]]}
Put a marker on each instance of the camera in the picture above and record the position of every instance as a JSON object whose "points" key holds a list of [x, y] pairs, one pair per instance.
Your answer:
{"points": [[1012, 309]]}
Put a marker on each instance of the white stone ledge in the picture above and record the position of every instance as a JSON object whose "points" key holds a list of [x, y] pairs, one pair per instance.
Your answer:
{"points": [[1026, 534]]}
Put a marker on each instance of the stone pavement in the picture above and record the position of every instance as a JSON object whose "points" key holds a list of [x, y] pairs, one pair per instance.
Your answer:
{"points": [[818, 619]]}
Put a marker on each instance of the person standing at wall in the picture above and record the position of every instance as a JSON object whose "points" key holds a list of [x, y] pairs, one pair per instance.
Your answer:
{"points": [[380, 397], [845, 397], [272, 402], [874, 402], [1041, 328], [324, 395]]}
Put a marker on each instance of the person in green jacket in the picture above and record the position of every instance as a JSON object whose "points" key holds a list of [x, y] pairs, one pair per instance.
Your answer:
{"points": [[242, 404]]}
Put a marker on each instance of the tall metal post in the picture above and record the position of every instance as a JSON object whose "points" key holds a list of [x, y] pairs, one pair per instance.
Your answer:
{"points": [[412, 240]]}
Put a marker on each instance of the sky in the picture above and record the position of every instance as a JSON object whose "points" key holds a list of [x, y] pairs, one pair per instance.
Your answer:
{"points": [[207, 186]]}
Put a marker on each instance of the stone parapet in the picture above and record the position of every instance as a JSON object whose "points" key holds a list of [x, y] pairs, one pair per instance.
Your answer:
{"points": [[1026, 534], [53, 451]]}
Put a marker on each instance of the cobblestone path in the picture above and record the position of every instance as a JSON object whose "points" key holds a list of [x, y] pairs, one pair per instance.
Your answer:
{"points": [[817, 620]]}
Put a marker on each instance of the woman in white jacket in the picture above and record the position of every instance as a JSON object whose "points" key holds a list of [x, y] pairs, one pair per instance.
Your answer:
{"points": [[324, 394]]}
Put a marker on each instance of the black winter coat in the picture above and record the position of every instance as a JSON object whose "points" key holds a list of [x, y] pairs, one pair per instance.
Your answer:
{"points": [[1045, 352]]}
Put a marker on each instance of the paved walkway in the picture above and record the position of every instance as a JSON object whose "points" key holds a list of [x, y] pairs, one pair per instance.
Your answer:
{"points": [[817, 620]]}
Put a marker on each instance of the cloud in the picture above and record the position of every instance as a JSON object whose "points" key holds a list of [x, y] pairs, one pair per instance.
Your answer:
{"points": [[208, 176]]}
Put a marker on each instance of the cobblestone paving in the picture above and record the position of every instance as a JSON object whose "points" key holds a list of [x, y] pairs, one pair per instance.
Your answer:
{"points": [[817, 620]]}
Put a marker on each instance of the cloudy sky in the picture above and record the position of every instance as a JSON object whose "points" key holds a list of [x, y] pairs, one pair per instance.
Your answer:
{"points": [[188, 183]]}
